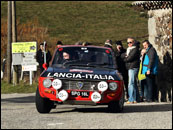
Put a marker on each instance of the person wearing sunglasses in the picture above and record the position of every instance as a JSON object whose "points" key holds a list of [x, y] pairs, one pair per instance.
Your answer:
{"points": [[132, 60]]}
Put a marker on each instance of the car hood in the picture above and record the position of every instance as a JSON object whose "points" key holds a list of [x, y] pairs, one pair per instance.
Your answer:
{"points": [[82, 73]]}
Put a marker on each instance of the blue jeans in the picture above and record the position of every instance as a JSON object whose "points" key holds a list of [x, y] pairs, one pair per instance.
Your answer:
{"points": [[132, 86]]}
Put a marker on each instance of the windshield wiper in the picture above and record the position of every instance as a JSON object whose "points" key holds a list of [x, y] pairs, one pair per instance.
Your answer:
{"points": [[104, 65], [91, 64], [82, 65], [69, 62]]}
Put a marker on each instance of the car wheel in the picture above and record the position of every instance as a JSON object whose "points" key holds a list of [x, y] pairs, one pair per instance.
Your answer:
{"points": [[116, 106], [43, 105]]}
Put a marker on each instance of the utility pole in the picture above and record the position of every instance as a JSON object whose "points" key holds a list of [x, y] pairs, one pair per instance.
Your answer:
{"points": [[14, 39], [9, 43]]}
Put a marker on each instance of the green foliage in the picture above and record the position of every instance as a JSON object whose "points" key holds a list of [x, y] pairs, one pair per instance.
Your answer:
{"points": [[21, 88], [72, 21]]}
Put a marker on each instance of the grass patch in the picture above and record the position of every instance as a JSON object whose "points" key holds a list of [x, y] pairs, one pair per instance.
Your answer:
{"points": [[20, 88], [71, 21]]}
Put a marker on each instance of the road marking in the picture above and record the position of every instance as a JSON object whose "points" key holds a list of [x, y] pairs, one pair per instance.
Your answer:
{"points": [[53, 124]]}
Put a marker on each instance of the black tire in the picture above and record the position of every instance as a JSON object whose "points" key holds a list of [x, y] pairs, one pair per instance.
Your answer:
{"points": [[43, 105], [116, 106]]}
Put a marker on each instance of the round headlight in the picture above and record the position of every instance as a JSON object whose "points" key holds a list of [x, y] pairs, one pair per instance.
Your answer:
{"points": [[47, 83], [57, 84], [102, 86], [113, 86]]}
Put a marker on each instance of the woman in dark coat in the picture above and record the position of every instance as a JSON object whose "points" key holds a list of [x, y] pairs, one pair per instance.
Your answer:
{"points": [[40, 57]]}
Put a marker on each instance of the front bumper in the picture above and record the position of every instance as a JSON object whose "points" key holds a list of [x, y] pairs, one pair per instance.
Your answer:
{"points": [[106, 96]]}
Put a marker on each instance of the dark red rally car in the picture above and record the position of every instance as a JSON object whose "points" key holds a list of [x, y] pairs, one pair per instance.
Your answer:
{"points": [[84, 75]]}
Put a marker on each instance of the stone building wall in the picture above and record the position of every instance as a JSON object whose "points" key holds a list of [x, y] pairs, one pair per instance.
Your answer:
{"points": [[160, 36]]}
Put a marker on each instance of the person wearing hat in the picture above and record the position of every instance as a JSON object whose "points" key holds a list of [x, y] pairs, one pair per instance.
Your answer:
{"points": [[121, 64], [120, 47], [40, 56], [59, 44]]}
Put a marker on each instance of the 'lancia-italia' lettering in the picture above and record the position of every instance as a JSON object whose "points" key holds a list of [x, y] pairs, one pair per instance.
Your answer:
{"points": [[81, 76]]}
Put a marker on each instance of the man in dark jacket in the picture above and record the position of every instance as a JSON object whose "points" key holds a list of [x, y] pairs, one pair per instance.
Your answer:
{"points": [[149, 67], [108, 43], [121, 64], [40, 56], [132, 59]]}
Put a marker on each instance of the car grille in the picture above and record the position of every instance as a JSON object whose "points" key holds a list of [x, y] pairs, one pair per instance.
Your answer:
{"points": [[72, 85]]}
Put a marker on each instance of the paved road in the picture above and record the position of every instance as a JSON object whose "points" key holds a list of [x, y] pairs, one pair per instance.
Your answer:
{"points": [[18, 111]]}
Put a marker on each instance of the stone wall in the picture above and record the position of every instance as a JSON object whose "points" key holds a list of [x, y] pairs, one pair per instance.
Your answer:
{"points": [[160, 36]]}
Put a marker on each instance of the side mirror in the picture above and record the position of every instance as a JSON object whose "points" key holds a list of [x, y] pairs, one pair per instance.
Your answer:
{"points": [[45, 66]]}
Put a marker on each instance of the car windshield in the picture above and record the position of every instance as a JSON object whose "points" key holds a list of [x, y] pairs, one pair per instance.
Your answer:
{"points": [[83, 56]]}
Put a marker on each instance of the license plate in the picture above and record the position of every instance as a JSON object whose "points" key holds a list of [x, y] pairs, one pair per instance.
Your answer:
{"points": [[79, 93]]}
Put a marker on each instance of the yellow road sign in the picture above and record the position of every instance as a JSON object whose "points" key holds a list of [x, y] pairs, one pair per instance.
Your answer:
{"points": [[22, 47]]}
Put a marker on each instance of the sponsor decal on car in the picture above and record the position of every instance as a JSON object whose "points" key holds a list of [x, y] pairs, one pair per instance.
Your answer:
{"points": [[81, 76]]}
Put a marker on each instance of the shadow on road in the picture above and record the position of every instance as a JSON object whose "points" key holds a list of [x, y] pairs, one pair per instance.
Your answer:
{"points": [[87, 109], [148, 108], [154, 107], [127, 109], [26, 99]]}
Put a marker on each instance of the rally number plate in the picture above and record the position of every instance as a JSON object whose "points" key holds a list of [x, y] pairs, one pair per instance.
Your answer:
{"points": [[79, 93]]}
